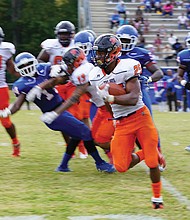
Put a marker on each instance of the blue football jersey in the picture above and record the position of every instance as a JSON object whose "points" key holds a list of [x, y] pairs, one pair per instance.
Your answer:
{"points": [[50, 98], [183, 58], [142, 55]]}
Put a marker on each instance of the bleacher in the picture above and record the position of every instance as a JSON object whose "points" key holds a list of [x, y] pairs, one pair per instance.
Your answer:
{"points": [[101, 11]]}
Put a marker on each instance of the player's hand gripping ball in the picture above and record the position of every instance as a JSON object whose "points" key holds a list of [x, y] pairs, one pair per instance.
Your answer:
{"points": [[114, 89]]}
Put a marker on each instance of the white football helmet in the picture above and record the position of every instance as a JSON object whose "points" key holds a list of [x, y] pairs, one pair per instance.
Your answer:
{"points": [[128, 36], [25, 64]]}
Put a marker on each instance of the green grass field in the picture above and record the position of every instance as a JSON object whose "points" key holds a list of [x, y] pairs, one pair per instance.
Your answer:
{"points": [[29, 185]]}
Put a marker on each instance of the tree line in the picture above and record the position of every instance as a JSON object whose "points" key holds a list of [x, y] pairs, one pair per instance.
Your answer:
{"points": [[26, 23]]}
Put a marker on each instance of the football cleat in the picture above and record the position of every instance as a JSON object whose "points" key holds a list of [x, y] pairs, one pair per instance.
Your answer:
{"points": [[157, 203], [187, 148], [16, 150], [83, 156], [105, 167], [61, 169]]}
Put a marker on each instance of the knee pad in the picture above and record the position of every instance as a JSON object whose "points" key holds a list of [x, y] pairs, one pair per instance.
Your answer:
{"points": [[6, 122]]}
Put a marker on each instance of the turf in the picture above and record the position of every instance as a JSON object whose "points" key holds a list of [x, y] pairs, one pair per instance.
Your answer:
{"points": [[30, 186]]}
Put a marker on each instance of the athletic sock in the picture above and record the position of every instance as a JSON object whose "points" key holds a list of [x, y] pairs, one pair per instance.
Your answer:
{"points": [[156, 189], [65, 160]]}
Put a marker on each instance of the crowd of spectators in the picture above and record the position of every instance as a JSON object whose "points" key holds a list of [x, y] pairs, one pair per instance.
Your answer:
{"points": [[165, 44]]}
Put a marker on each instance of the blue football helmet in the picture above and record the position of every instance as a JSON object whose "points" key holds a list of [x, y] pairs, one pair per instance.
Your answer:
{"points": [[84, 40], [65, 31], [25, 64], [128, 36], [2, 35]]}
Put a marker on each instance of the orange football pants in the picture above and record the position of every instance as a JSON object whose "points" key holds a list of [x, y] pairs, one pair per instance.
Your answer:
{"points": [[102, 128], [4, 103], [138, 125]]}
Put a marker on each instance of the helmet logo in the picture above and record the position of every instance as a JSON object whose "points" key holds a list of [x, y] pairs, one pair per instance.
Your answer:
{"points": [[74, 52], [113, 40]]}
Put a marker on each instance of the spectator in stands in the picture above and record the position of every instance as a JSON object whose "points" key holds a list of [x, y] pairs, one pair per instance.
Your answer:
{"points": [[152, 48], [115, 19], [137, 24], [139, 13], [124, 20], [121, 7], [148, 6], [177, 46], [167, 9], [162, 31], [182, 21], [172, 39], [145, 26], [158, 7], [158, 43], [188, 14], [168, 53]]}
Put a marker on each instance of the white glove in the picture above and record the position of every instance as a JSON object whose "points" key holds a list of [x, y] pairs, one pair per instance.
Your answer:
{"points": [[183, 82], [35, 92], [49, 117], [58, 70], [5, 113], [104, 94]]}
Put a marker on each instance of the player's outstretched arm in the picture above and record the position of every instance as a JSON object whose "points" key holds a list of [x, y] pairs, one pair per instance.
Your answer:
{"points": [[14, 107], [49, 117]]}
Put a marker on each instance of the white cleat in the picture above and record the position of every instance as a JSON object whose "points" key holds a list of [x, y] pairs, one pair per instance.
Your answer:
{"points": [[83, 156], [187, 148]]}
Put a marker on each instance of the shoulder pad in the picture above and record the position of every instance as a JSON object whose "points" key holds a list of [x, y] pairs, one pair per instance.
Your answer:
{"points": [[8, 46], [50, 43]]}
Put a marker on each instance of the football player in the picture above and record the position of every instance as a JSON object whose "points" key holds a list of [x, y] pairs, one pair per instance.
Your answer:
{"points": [[133, 118], [128, 36], [7, 50], [33, 74], [53, 51], [184, 70]]}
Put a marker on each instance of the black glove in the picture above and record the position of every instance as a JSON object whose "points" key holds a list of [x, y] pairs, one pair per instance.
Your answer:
{"points": [[187, 85]]}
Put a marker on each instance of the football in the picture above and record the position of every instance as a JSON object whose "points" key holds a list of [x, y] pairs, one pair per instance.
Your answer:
{"points": [[114, 89]]}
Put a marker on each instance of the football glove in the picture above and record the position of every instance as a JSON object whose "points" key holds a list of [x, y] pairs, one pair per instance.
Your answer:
{"points": [[145, 79], [104, 94], [49, 117], [186, 84], [35, 92], [5, 113], [58, 70]]}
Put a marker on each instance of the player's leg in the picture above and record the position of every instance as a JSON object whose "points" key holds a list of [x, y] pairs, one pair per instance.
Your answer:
{"points": [[148, 137], [76, 129], [7, 123], [102, 130], [147, 101], [70, 149]]}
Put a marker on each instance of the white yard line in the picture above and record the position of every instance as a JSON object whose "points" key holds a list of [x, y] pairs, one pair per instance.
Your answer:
{"points": [[32, 217], [117, 217]]}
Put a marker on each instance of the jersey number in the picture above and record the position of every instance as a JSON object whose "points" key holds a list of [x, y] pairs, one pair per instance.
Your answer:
{"points": [[57, 60], [137, 69], [82, 78]]}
